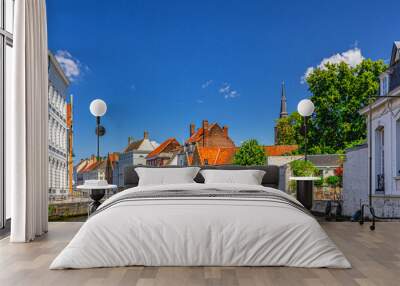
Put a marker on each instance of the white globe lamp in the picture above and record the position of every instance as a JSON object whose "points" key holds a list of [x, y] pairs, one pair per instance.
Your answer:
{"points": [[98, 107], [305, 107]]}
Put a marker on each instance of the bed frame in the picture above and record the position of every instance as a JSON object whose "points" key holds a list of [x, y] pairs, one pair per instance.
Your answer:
{"points": [[270, 179]]}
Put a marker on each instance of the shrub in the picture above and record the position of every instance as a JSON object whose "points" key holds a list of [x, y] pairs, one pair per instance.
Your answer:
{"points": [[250, 154], [319, 183], [333, 181], [302, 168]]}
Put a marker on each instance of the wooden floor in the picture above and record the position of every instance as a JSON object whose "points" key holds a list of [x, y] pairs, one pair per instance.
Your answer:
{"points": [[375, 257]]}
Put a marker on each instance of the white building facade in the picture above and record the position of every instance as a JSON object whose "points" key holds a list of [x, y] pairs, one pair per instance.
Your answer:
{"points": [[58, 134], [384, 148], [134, 154]]}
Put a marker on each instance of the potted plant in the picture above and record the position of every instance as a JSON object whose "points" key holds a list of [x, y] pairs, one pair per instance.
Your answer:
{"points": [[304, 173]]}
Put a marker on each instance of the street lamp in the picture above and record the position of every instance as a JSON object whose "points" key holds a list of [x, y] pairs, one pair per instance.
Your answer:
{"points": [[98, 108], [305, 109]]}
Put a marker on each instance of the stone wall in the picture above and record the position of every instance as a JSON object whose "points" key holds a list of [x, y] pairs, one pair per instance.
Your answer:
{"points": [[66, 209], [386, 206]]}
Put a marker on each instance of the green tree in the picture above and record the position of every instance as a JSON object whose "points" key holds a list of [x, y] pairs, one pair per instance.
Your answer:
{"points": [[338, 93], [288, 129], [250, 153]]}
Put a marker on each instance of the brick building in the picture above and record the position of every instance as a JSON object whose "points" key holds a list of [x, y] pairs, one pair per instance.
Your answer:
{"points": [[210, 135], [213, 155], [206, 136]]}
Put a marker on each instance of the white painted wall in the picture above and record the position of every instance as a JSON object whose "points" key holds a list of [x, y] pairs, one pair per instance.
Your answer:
{"points": [[355, 180], [387, 117]]}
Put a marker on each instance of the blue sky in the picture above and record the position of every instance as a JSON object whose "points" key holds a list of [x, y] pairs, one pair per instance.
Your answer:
{"points": [[160, 65]]}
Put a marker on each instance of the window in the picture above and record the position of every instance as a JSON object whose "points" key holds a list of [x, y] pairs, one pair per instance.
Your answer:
{"points": [[385, 84], [380, 159], [6, 43]]}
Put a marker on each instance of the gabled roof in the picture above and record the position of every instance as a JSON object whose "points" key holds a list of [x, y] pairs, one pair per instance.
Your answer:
{"points": [[91, 167], [395, 53], [326, 160], [279, 150], [81, 165], [198, 135], [162, 147], [135, 145]]}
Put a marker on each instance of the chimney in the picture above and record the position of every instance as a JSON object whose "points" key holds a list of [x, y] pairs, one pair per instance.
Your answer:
{"points": [[129, 140], [205, 124], [192, 128], [225, 129], [205, 132], [146, 135]]}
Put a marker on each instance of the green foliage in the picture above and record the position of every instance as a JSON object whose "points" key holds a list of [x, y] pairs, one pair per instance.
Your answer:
{"points": [[302, 168], [356, 143], [338, 93], [288, 129], [319, 183], [51, 210], [333, 181], [250, 154]]}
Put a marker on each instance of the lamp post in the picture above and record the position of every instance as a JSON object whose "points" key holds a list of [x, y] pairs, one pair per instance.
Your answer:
{"points": [[304, 191], [97, 188], [305, 109], [98, 108]]}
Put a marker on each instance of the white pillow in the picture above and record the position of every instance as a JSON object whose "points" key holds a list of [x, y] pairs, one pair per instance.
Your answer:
{"points": [[248, 177], [166, 176]]}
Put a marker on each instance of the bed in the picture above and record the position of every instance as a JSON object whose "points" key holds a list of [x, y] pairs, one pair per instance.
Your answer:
{"points": [[201, 224]]}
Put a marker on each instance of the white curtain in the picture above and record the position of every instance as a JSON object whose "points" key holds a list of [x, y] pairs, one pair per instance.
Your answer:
{"points": [[27, 123]]}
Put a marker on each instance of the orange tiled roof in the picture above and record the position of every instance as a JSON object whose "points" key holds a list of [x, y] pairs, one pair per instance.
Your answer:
{"points": [[224, 155], [216, 155], [279, 150], [91, 166], [82, 164], [113, 157], [162, 147], [198, 135]]}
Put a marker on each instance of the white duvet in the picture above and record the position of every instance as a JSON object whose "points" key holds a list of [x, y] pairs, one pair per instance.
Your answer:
{"points": [[200, 231]]}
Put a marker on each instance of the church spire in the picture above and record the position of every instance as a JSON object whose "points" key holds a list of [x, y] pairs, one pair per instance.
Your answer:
{"points": [[283, 102]]}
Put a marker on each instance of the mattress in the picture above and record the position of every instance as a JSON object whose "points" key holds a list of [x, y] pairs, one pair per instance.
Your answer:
{"points": [[201, 225]]}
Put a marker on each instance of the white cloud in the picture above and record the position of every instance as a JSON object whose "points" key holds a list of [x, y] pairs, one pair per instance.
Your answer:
{"points": [[133, 87], [200, 101], [227, 91], [351, 57], [207, 83], [70, 65]]}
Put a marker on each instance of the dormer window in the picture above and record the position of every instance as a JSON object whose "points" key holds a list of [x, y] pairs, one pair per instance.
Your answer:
{"points": [[384, 84]]}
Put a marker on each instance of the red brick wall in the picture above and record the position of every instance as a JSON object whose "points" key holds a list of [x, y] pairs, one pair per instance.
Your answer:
{"points": [[217, 138]]}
